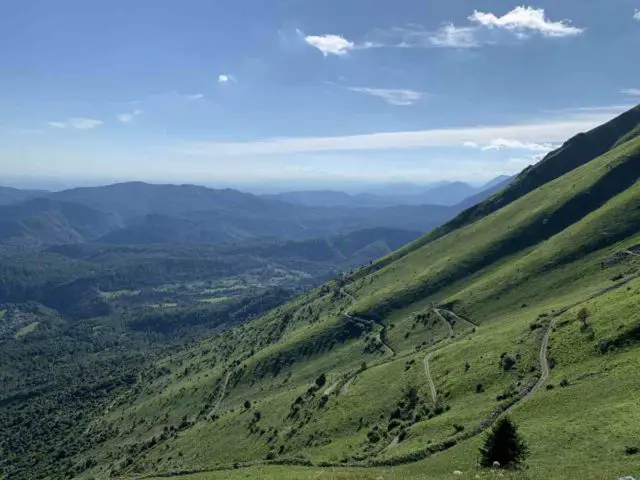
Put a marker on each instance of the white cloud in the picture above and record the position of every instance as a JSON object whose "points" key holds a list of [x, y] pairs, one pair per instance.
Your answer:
{"points": [[128, 117], [77, 123], [470, 145], [450, 36], [330, 44], [637, 15], [225, 78], [526, 161], [526, 19], [521, 21], [502, 143], [548, 131], [194, 97], [391, 96], [634, 92]]}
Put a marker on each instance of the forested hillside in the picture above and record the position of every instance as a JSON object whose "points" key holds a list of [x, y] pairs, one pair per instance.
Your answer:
{"points": [[526, 306]]}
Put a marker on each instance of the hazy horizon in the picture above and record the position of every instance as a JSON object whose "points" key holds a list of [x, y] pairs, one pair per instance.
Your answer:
{"points": [[410, 91], [272, 187]]}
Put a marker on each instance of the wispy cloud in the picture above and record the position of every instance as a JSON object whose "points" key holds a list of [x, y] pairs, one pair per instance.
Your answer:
{"points": [[634, 92], [548, 131], [77, 123], [390, 96], [128, 117], [637, 15], [526, 19], [194, 97], [330, 44], [450, 36], [504, 144]]}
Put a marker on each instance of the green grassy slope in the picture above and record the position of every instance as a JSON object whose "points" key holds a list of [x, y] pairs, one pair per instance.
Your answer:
{"points": [[576, 152], [397, 370]]}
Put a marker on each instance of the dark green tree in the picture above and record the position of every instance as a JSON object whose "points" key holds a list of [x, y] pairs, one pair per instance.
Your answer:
{"points": [[504, 446], [321, 380]]}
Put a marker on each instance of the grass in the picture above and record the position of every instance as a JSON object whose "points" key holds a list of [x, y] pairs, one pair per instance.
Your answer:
{"points": [[560, 248], [120, 294], [215, 299], [26, 330]]}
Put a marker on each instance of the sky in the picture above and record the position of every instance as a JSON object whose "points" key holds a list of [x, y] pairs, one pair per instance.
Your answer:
{"points": [[304, 93]]}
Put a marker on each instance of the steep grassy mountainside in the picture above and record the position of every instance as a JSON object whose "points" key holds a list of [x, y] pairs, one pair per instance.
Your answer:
{"points": [[490, 189], [527, 306], [577, 151]]}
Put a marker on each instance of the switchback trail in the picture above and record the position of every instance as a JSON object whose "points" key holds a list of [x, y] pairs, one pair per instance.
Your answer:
{"points": [[427, 371], [447, 444], [447, 322], [223, 392], [456, 316], [383, 332], [425, 361]]}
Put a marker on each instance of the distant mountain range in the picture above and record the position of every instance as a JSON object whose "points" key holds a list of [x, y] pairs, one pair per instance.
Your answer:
{"points": [[444, 194], [140, 213], [9, 196]]}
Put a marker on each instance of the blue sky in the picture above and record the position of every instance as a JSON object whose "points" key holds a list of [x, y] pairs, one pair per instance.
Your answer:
{"points": [[302, 92]]}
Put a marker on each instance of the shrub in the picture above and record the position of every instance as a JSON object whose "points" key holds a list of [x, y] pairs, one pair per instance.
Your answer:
{"points": [[564, 382], [479, 388], [374, 435], [583, 315], [321, 380], [508, 362], [247, 405], [503, 445], [393, 424]]}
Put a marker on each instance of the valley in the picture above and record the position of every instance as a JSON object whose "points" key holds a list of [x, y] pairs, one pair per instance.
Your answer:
{"points": [[376, 353]]}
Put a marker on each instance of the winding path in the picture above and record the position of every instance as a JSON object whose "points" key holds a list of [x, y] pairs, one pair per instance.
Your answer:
{"points": [[438, 311], [456, 316], [223, 392], [425, 361], [427, 371], [544, 376], [545, 371], [383, 332]]}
